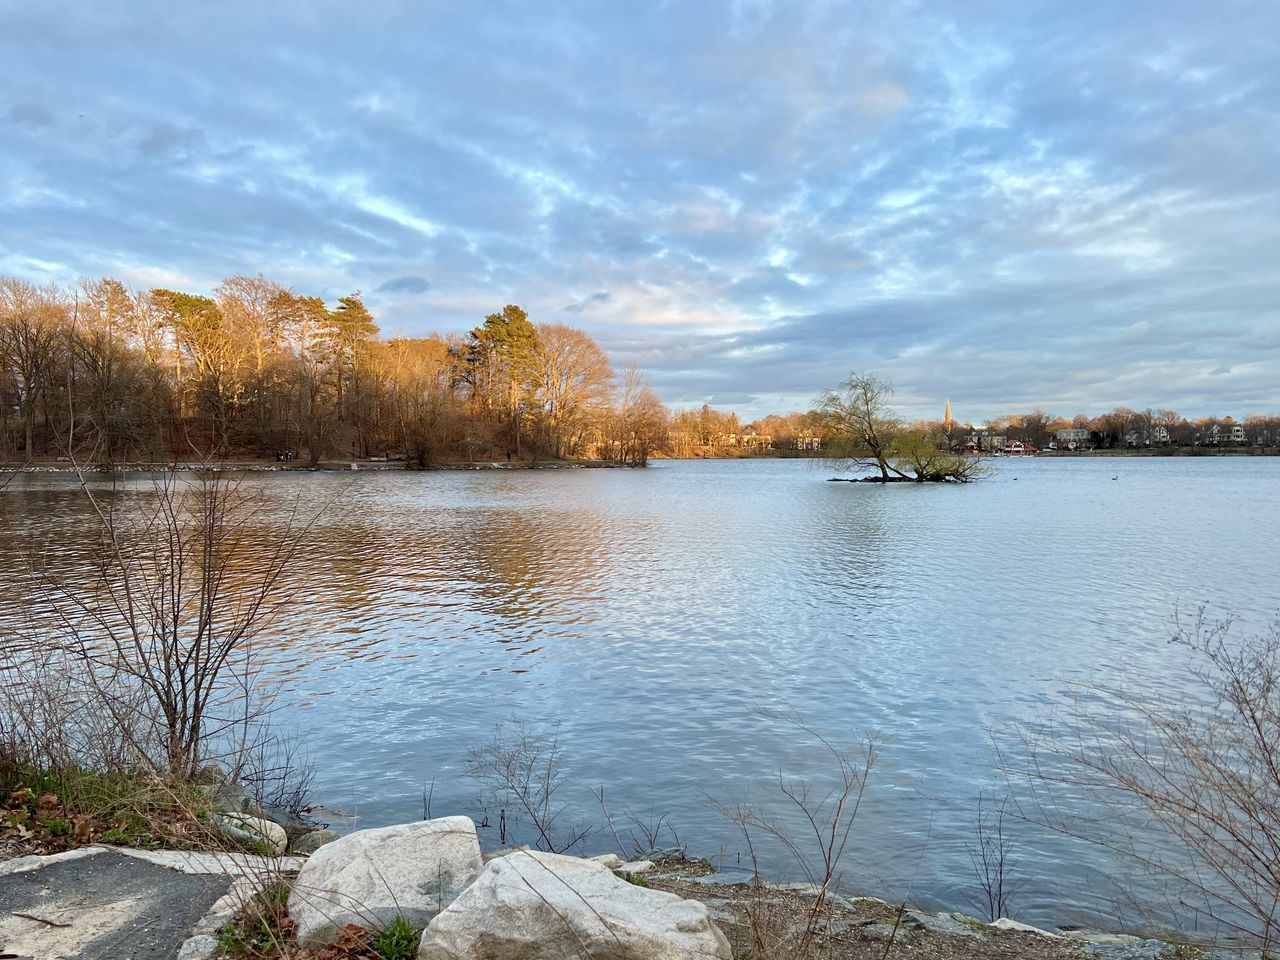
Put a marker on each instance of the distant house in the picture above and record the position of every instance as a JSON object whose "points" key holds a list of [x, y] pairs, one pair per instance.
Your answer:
{"points": [[747, 441], [1217, 434], [987, 441], [1159, 434], [807, 443], [1072, 438]]}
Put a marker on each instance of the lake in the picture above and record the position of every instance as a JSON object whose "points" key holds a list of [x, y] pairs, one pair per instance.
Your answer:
{"points": [[657, 616]]}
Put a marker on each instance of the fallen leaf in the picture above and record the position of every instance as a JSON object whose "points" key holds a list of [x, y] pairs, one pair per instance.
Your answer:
{"points": [[47, 807]]}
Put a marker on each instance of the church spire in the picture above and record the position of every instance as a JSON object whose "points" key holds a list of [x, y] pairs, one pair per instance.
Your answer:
{"points": [[946, 418]]}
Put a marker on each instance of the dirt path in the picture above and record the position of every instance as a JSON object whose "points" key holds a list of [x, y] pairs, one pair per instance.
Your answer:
{"points": [[105, 904]]}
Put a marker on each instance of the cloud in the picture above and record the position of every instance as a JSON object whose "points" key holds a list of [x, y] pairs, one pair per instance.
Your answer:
{"points": [[582, 305], [406, 284], [32, 114], [1006, 204]]}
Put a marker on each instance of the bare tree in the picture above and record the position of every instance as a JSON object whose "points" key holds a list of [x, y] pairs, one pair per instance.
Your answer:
{"points": [[990, 854], [108, 381], [184, 583], [645, 832], [826, 817], [573, 381], [639, 423], [29, 325], [520, 768], [1204, 778], [862, 424], [256, 311]]}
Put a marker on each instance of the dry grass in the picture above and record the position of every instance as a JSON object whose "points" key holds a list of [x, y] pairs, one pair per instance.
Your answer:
{"points": [[770, 920], [263, 930]]}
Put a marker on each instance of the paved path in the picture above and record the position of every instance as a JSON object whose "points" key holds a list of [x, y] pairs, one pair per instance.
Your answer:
{"points": [[107, 904]]}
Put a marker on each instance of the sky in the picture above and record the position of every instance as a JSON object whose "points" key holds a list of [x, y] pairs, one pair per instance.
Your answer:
{"points": [[1006, 203]]}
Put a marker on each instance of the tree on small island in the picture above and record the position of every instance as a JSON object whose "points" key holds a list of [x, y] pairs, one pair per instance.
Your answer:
{"points": [[866, 433]]}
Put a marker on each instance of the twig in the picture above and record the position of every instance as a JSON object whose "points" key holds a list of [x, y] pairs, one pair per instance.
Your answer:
{"points": [[893, 935], [30, 916]]}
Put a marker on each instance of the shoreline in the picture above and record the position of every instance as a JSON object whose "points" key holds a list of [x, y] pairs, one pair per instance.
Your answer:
{"points": [[834, 915], [236, 825], [742, 905], [324, 466], [383, 466]]}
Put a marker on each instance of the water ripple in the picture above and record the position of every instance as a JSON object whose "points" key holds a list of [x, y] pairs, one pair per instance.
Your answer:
{"points": [[652, 613]]}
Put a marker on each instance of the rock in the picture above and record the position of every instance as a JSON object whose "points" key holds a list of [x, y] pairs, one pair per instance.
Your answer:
{"points": [[230, 797], [1102, 939], [885, 932], [283, 816], [199, 948], [718, 879], [543, 906], [662, 853], [309, 843], [370, 877], [809, 890], [253, 831], [504, 852], [717, 908], [856, 902], [1122, 947], [212, 923], [610, 860], [211, 775], [634, 867], [1004, 923], [942, 924], [835, 924]]}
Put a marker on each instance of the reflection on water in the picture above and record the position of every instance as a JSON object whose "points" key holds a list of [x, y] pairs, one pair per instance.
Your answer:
{"points": [[653, 613]]}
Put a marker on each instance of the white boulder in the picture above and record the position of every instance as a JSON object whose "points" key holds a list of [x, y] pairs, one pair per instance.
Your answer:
{"points": [[1004, 923], [543, 906], [632, 867], [254, 831], [370, 877]]}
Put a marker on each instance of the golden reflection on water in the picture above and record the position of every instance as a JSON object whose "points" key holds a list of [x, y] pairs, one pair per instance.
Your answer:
{"points": [[394, 577], [651, 612]]}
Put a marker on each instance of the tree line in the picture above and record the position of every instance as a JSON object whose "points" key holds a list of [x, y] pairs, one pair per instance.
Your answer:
{"points": [[714, 433], [1127, 427], [111, 374]]}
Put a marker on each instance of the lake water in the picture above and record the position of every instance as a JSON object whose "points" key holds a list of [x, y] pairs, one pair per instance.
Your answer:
{"points": [[656, 615]]}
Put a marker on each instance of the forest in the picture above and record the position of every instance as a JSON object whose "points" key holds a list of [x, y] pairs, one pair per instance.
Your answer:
{"points": [[106, 374]]}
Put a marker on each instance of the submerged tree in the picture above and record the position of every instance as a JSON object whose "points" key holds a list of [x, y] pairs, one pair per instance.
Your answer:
{"points": [[864, 432], [925, 457], [862, 424]]}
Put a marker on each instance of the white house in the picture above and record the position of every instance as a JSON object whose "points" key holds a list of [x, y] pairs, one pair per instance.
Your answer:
{"points": [[1073, 438]]}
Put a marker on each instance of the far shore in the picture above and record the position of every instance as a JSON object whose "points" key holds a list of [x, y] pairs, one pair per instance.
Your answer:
{"points": [[273, 466], [270, 465]]}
